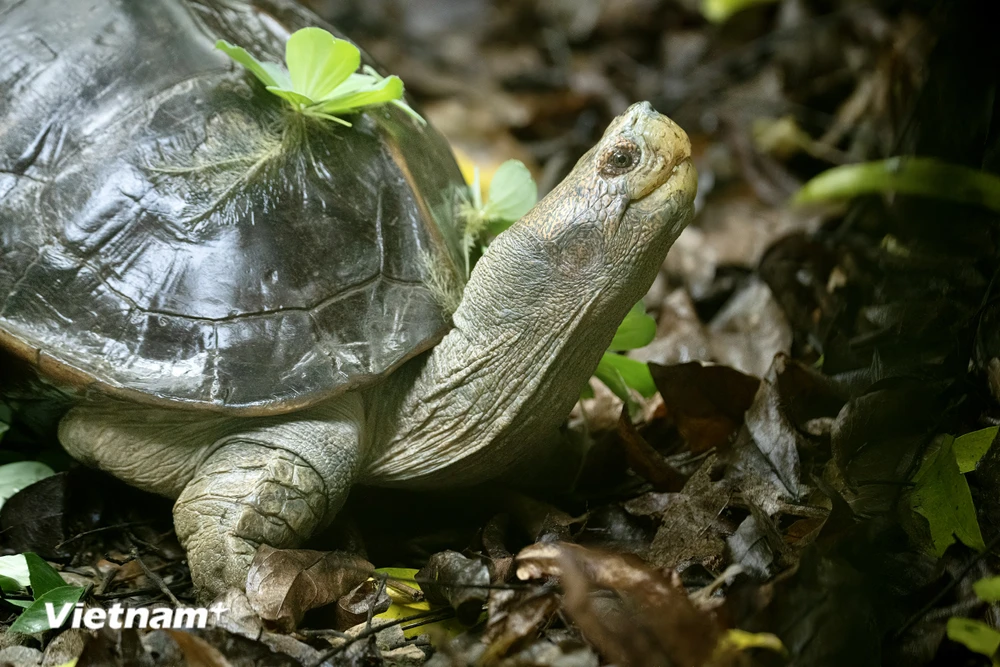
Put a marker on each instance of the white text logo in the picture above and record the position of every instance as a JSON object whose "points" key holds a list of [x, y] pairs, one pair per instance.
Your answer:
{"points": [[117, 617]]}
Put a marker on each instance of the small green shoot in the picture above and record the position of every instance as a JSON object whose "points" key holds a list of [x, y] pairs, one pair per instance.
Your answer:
{"points": [[920, 176], [637, 330], [988, 589], [47, 586], [404, 606], [512, 194], [618, 372], [320, 77], [976, 636]]}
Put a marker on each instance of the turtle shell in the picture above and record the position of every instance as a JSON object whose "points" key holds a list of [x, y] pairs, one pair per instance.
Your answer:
{"points": [[172, 232]]}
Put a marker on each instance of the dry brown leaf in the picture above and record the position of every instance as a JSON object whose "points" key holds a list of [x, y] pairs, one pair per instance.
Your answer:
{"points": [[651, 622], [690, 529], [283, 584], [453, 579], [515, 618], [354, 607], [706, 402]]}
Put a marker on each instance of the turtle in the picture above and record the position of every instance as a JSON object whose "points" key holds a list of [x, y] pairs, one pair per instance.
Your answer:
{"points": [[239, 305]]}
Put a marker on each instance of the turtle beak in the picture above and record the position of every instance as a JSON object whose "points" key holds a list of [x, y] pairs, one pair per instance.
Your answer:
{"points": [[670, 149], [668, 206]]}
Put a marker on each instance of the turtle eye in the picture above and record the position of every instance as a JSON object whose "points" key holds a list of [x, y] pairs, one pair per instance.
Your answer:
{"points": [[620, 158]]}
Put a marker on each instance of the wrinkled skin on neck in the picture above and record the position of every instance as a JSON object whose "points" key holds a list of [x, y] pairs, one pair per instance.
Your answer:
{"points": [[540, 309]]}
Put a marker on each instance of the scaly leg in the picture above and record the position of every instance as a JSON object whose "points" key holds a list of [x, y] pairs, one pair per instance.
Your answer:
{"points": [[239, 482]]}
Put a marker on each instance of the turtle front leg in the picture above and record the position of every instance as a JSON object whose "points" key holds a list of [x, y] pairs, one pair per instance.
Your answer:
{"points": [[239, 483]]}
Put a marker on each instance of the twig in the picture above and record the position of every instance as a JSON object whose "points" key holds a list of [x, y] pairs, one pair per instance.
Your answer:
{"points": [[371, 630], [140, 591], [374, 601], [101, 530], [105, 582], [152, 547], [324, 632], [155, 578]]}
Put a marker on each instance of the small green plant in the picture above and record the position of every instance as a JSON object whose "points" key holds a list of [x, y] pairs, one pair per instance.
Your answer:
{"points": [[321, 78], [512, 194], [975, 635], [23, 571], [921, 176], [620, 373], [408, 603]]}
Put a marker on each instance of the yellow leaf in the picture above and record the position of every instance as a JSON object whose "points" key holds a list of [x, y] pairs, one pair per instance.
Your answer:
{"points": [[736, 641]]}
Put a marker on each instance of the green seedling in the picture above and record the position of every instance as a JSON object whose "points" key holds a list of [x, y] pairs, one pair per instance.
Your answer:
{"points": [[321, 77], [512, 194], [47, 586], [977, 636]]}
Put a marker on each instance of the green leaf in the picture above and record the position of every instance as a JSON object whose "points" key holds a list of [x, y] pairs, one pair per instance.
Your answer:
{"points": [[971, 447], [278, 74], [637, 330], [14, 574], [403, 607], [941, 495], [494, 227], [34, 619], [386, 90], [318, 62], [42, 577], [988, 589], [609, 374], [263, 71], [16, 476], [404, 574], [321, 80], [512, 192], [295, 99], [976, 636], [10, 586], [400, 103], [908, 175], [634, 373]]}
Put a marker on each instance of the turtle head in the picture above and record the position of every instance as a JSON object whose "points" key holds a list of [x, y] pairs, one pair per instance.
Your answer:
{"points": [[609, 224], [642, 184]]}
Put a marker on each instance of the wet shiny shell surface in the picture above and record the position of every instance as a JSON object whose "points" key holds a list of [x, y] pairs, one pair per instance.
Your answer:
{"points": [[171, 232]]}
